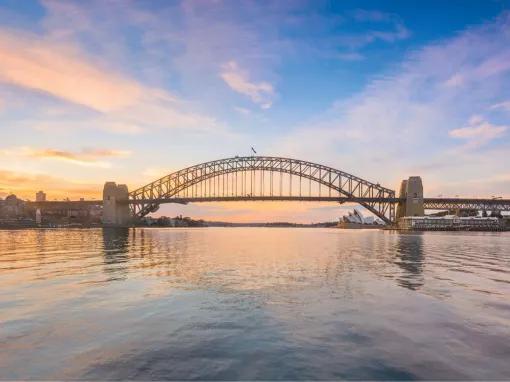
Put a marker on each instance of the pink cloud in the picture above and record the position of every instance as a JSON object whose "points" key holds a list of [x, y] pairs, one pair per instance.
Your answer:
{"points": [[502, 105], [261, 93], [61, 71], [90, 157], [478, 132]]}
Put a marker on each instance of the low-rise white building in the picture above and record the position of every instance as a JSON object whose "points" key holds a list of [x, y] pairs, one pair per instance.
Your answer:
{"points": [[450, 223]]}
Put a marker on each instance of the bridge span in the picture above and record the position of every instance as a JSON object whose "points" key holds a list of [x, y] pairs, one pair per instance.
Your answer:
{"points": [[264, 178], [479, 204]]}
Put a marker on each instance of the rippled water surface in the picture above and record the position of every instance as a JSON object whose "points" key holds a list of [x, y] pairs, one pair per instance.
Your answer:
{"points": [[253, 303]]}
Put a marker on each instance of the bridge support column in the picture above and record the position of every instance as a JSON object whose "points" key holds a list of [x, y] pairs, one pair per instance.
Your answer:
{"points": [[115, 205], [412, 191]]}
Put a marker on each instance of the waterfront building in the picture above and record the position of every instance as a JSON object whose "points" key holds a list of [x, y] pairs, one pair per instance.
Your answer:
{"points": [[64, 215], [14, 213], [12, 206], [450, 223], [40, 196]]}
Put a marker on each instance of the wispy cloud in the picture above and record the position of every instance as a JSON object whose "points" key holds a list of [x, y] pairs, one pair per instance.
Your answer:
{"points": [[90, 157], [61, 71], [502, 105], [361, 40], [261, 93], [478, 132], [487, 67], [383, 26]]}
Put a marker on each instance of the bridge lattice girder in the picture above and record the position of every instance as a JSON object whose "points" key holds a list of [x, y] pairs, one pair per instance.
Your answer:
{"points": [[466, 204], [147, 198]]}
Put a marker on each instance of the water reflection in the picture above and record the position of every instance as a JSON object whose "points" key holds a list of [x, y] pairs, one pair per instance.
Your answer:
{"points": [[115, 251], [253, 304], [409, 257]]}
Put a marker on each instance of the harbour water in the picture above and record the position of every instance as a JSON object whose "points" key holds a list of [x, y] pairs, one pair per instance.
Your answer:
{"points": [[254, 303]]}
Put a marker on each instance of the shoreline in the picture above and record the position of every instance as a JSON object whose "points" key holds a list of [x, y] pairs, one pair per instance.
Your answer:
{"points": [[5, 228]]}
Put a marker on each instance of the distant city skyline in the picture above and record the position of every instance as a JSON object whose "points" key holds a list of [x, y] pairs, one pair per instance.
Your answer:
{"points": [[128, 91]]}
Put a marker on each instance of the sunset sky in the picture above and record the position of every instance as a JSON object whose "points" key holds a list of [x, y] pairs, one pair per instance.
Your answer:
{"points": [[129, 91]]}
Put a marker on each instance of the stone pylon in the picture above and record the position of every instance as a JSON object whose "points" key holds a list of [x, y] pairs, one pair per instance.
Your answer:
{"points": [[412, 191], [115, 205]]}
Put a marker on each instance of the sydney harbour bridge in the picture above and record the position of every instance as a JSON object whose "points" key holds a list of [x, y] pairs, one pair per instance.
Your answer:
{"points": [[265, 178]]}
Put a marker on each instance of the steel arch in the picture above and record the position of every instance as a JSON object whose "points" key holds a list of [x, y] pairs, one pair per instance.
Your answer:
{"points": [[146, 199]]}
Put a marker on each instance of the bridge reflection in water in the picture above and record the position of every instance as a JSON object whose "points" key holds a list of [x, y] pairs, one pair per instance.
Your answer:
{"points": [[116, 251], [167, 252], [409, 256]]}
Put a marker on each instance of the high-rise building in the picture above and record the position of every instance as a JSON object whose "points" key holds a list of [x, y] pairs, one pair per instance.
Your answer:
{"points": [[40, 197]]}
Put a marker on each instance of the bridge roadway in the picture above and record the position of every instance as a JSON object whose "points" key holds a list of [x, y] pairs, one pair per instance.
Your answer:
{"points": [[429, 203]]}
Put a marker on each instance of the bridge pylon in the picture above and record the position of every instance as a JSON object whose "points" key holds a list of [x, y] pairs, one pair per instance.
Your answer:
{"points": [[411, 195], [116, 212]]}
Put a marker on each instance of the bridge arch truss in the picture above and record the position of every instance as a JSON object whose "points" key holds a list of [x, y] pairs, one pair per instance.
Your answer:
{"points": [[261, 178]]}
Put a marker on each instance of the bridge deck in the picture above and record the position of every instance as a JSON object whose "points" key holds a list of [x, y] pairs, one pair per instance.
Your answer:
{"points": [[429, 203], [255, 198]]}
